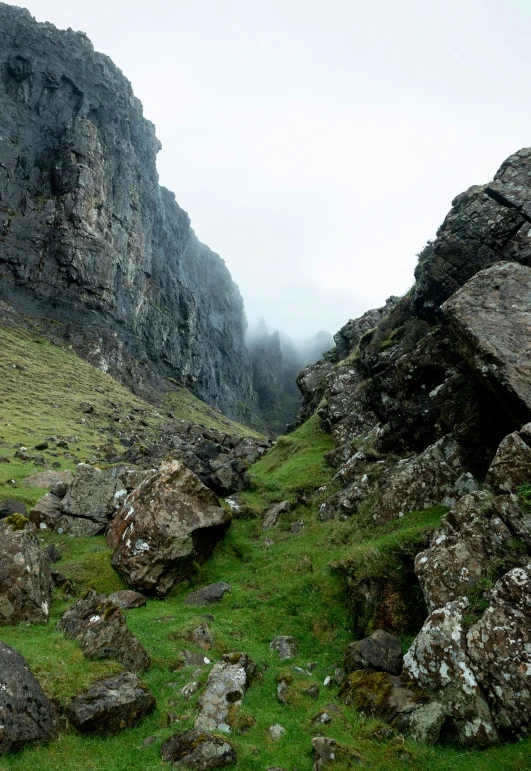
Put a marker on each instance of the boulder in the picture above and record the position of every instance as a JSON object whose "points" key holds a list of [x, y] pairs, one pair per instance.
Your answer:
{"points": [[198, 750], [101, 629], [26, 714], [490, 317], [511, 466], [9, 506], [25, 580], [94, 495], [381, 651], [275, 511], [425, 480], [127, 599], [438, 662], [165, 525], [225, 689], [111, 705], [46, 479], [472, 539], [499, 647], [404, 706], [287, 647], [208, 595]]}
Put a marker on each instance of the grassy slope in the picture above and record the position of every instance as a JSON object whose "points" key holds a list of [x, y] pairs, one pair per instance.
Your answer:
{"points": [[41, 389], [283, 587]]}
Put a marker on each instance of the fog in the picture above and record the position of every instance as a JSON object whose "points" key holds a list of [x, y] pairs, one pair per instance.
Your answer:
{"points": [[318, 146]]}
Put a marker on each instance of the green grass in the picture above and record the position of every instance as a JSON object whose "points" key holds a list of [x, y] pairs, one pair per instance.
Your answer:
{"points": [[41, 390], [281, 584]]}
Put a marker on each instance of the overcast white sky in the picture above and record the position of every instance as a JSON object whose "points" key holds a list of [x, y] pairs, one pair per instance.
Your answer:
{"points": [[317, 146]]}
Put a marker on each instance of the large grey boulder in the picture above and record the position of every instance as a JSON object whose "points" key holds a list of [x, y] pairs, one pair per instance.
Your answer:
{"points": [[490, 318], [439, 663], [198, 750], [25, 578], [170, 521], [101, 629], [381, 651], [26, 714], [226, 686], [111, 705]]}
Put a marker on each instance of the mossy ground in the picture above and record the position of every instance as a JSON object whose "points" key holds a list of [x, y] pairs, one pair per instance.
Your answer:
{"points": [[281, 584]]}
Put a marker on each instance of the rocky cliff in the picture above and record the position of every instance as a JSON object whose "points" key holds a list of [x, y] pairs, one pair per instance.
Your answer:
{"points": [[90, 239]]}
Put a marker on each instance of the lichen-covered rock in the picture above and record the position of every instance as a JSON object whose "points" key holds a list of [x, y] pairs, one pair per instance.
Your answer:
{"points": [[164, 525], [272, 514], [439, 663], [423, 724], [226, 686], [511, 466], [286, 645], [101, 629], [381, 651], [471, 538], [127, 599], [499, 647], [202, 636], [111, 705], [208, 595], [26, 714], [425, 480], [490, 318], [25, 579], [198, 750]]}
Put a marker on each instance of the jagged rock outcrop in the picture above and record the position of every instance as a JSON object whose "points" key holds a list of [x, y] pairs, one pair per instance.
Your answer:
{"points": [[25, 579], [91, 240], [169, 521], [26, 713], [100, 628]]}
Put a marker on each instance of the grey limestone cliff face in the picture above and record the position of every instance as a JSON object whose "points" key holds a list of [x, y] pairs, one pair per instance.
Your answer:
{"points": [[90, 239]]}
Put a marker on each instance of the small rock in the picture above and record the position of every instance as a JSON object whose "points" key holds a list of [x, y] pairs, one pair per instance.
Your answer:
{"points": [[286, 646], [311, 666], [283, 692], [323, 718], [127, 599], [208, 595], [9, 506], [65, 584], [297, 526], [42, 446], [324, 752], [195, 659], [149, 740], [273, 513], [276, 731], [189, 690], [381, 651], [52, 553], [226, 686], [198, 750], [339, 675], [312, 691], [203, 637], [111, 705], [327, 681]]}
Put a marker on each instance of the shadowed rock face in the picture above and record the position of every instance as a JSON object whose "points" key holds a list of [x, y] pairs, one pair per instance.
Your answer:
{"points": [[26, 714], [89, 237]]}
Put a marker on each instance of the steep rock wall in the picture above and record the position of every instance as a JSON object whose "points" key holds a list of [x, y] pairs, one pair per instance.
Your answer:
{"points": [[89, 238]]}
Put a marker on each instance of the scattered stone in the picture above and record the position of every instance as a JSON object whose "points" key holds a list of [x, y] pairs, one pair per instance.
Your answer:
{"points": [[312, 691], [189, 690], [26, 714], [283, 692], [9, 506], [101, 629], [276, 731], [111, 705], [127, 599], [381, 651], [339, 675], [195, 659], [297, 526], [275, 511], [42, 446], [226, 686], [165, 525], [25, 579], [287, 647], [65, 584], [149, 740], [203, 637], [311, 666], [208, 595], [326, 751], [198, 750], [327, 682], [323, 718], [52, 553]]}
